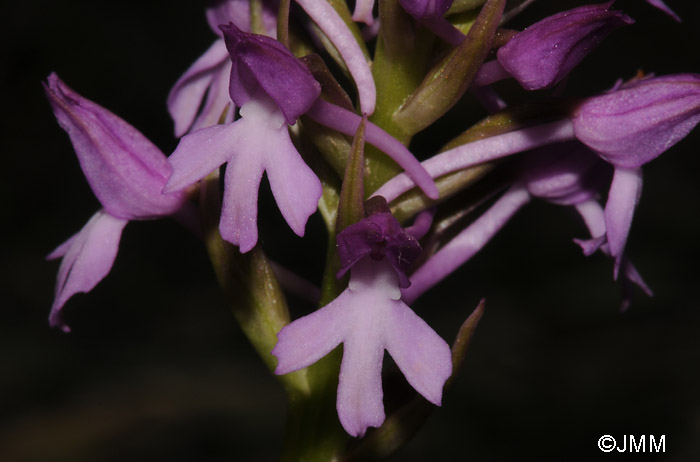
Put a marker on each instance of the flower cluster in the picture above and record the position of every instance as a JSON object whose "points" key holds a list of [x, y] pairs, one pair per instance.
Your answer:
{"points": [[294, 90]]}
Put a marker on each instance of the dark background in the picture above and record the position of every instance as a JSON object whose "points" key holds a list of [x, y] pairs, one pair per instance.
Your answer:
{"points": [[156, 369]]}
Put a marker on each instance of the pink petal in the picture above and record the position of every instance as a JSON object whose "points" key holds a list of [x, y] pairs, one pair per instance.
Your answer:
{"points": [[87, 261], [295, 186], [239, 211], [423, 356], [624, 194], [200, 152], [360, 391], [308, 339], [185, 98]]}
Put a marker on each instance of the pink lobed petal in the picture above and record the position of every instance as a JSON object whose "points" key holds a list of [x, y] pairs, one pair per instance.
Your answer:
{"points": [[359, 402], [423, 357], [310, 338], [239, 211], [200, 152], [295, 186]]}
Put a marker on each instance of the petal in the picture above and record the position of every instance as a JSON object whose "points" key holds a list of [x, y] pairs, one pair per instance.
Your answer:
{"points": [[87, 261], [200, 152], [330, 22], [619, 210], [218, 101], [423, 357], [239, 212], [187, 94], [360, 393], [308, 339], [125, 170], [295, 186]]}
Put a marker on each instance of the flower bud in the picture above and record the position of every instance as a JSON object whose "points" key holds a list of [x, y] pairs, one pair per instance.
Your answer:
{"points": [[547, 51]]}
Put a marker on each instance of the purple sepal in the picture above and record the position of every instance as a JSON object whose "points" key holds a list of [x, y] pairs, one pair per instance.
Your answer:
{"points": [[124, 169], [87, 258], [638, 121], [367, 318], [547, 51], [262, 63], [421, 9], [379, 235]]}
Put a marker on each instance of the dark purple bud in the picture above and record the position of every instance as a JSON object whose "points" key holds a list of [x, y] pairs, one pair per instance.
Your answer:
{"points": [[379, 235], [547, 51], [263, 64], [638, 121], [421, 9]]}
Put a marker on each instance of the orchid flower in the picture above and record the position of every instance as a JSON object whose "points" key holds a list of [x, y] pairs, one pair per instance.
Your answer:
{"points": [[367, 318], [273, 89], [568, 175], [209, 74], [627, 127], [544, 53], [125, 171]]}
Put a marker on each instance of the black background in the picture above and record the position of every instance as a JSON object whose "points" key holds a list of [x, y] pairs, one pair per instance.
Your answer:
{"points": [[156, 369]]}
